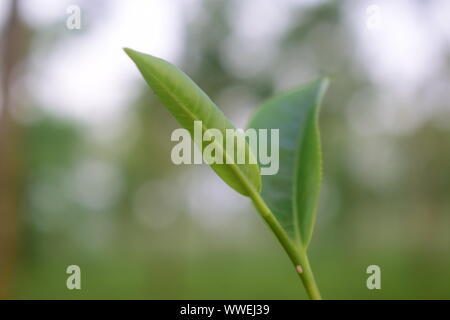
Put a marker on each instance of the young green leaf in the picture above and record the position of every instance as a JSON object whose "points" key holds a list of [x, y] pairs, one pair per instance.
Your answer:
{"points": [[188, 103], [292, 193]]}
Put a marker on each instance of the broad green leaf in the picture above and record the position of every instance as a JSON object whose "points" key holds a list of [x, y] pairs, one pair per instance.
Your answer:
{"points": [[188, 103], [292, 193]]}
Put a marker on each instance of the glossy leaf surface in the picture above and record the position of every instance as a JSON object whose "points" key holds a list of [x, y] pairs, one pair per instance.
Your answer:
{"points": [[292, 194]]}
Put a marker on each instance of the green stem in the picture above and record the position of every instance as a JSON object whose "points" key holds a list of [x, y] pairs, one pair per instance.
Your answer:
{"points": [[298, 256]]}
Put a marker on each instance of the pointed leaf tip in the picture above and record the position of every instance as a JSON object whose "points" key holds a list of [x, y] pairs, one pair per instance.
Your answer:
{"points": [[188, 103]]}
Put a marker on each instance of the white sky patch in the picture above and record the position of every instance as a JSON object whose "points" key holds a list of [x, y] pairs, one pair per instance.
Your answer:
{"points": [[256, 26], [440, 17], [88, 76], [404, 51], [259, 19], [38, 13]]}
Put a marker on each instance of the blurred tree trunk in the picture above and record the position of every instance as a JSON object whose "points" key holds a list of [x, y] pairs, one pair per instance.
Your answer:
{"points": [[9, 141]]}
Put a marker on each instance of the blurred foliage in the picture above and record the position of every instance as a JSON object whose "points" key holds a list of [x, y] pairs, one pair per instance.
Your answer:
{"points": [[385, 199]]}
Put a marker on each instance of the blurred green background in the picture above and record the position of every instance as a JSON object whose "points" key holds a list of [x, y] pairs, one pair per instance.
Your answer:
{"points": [[85, 170]]}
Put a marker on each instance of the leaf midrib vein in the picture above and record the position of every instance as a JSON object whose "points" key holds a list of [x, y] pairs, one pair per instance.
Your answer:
{"points": [[237, 171]]}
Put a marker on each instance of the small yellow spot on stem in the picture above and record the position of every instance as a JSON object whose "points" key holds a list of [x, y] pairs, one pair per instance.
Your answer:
{"points": [[299, 269]]}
